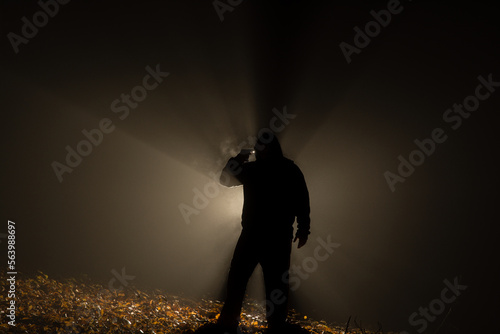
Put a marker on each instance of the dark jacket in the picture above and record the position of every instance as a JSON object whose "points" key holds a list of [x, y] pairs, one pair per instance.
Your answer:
{"points": [[275, 192]]}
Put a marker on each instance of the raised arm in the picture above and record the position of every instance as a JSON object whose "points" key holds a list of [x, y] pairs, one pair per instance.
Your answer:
{"points": [[233, 173]]}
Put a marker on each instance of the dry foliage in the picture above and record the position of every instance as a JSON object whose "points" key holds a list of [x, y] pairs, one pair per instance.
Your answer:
{"points": [[45, 305]]}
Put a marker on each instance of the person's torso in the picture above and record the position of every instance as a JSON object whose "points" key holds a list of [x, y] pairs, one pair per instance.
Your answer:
{"points": [[270, 194]]}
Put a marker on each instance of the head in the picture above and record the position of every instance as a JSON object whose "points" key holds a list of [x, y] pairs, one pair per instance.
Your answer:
{"points": [[267, 146]]}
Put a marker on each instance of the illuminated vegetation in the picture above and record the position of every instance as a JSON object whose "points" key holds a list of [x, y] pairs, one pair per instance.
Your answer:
{"points": [[45, 305]]}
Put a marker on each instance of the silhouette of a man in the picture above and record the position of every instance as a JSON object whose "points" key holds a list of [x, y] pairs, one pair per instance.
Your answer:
{"points": [[275, 192]]}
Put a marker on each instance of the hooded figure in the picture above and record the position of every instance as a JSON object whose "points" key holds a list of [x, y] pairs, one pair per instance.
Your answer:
{"points": [[275, 192]]}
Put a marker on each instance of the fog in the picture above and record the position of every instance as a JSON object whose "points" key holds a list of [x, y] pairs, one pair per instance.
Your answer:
{"points": [[121, 205]]}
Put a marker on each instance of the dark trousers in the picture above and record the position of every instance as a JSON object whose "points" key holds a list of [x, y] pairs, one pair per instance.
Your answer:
{"points": [[273, 254]]}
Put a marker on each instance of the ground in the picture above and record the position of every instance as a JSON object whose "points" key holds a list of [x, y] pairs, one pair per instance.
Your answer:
{"points": [[71, 306]]}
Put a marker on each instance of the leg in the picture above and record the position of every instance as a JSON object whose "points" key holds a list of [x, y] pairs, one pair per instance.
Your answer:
{"points": [[275, 267], [242, 266]]}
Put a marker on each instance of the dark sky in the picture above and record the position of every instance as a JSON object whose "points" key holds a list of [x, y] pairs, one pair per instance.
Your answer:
{"points": [[119, 207]]}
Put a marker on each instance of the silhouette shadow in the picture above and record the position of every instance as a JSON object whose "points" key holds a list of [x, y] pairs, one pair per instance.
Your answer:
{"points": [[275, 195]]}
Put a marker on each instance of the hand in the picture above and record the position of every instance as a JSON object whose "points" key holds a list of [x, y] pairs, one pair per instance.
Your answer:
{"points": [[302, 239], [243, 156]]}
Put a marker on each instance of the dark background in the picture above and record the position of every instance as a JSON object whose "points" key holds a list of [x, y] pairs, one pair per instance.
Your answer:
{"points": [[119, 207]]}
